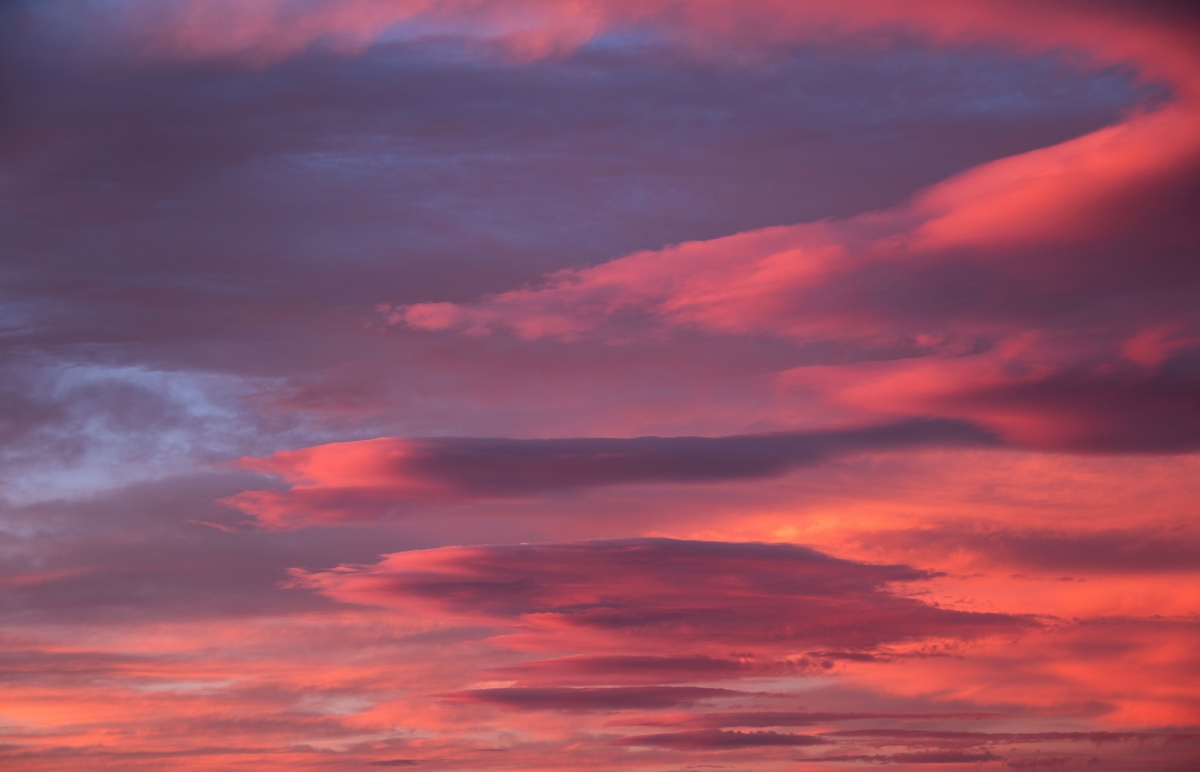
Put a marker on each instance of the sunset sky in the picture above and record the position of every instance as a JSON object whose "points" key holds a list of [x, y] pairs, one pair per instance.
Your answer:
{"points": [[608, 385]]}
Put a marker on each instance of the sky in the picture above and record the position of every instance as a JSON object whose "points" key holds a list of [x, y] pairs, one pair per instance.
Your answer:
{"points": [[655, 386]]}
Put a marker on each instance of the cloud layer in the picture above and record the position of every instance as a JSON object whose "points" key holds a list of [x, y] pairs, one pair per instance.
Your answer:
{"points": [[745, 384], [775, 596], [360, 481]]}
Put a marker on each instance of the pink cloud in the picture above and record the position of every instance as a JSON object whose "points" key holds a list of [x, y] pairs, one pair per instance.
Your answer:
{"points": [[362, 481], [1044, 302], [791, 718], [591, 699], [268, 30], [1003, 278], [778, 281], [827, 280], [716, 740], [1032, 393], [629, 593]]}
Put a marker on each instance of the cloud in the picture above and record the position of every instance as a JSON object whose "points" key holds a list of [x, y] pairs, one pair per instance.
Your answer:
{"points": [[1005, 277], [961, 255], [263, 32], [149, 552], [932, 757], [1101, 551], [794, 718], [645, 592], [1005, 332], [360, 481], [206, 202], [621, 669], [719, 741], [1032, 394], [591, 699], [259, 33], [248, 175], [953, 747], [915, 736]]}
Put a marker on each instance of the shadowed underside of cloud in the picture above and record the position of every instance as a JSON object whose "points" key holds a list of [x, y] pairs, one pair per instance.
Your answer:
{"points": [[765, 718], [1014, 280], [1047, 369], [633, 669], [648, 595], [591, 699], [1113, 551], [627, 669], [361, 481], [930, 757], [1171, 748], [1044, 391], [725, 740], [914, 736], [717, 741], [1046, 301]]}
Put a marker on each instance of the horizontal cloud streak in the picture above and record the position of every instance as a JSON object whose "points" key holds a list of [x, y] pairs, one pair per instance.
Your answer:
{"points": [[591, 699], [791, 718], [1133, 551], [624, 669], [975, 738], [716, 741], [1033, 393], [360, 481], [640, 592], [1002, 279], [244, 236], [929, 757]]}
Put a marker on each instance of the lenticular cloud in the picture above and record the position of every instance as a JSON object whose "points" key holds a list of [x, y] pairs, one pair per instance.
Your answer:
{"points": [[366, 480], [777, 598]]}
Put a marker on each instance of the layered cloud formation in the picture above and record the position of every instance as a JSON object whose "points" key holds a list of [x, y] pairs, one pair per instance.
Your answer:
{"points": [[651, 591], [356, 481], [526, 385]]}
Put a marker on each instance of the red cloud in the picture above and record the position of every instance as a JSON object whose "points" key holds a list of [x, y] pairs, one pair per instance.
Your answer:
{"points": [[629, 669], [637, 594], [1048, 299], [585, 699], [790, 718], [719, 741], [1050, 296], [361, 481], [1033, 393]]}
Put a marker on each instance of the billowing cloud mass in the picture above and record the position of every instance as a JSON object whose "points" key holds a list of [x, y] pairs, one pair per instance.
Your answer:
{"points": [[539, 385]]}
